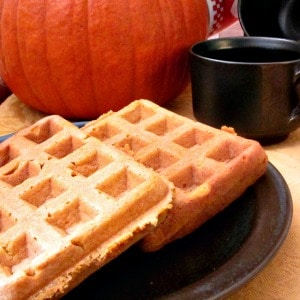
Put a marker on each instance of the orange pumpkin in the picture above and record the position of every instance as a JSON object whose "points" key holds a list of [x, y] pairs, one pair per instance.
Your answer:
{"points": [[82, 58]]}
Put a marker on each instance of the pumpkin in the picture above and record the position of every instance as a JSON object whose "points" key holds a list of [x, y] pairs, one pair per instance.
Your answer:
{"points": [[79, 58]]}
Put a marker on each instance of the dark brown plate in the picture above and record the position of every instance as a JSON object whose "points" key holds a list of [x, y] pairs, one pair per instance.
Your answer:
{"points": [[214, 261]]}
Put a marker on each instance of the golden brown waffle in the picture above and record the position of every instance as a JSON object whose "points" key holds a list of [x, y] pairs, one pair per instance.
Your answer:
{"points": [[69, 204], [209, 167]]}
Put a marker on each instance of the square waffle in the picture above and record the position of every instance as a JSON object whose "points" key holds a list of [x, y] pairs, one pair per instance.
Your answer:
{"points": [[69, 204], [208, 167]]}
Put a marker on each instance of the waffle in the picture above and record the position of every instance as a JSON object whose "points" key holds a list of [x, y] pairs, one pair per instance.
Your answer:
{"points": [[208, 167], [69, 204]]}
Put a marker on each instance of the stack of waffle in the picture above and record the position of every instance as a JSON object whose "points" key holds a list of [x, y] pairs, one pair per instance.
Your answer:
{"points": [[73, 199]]}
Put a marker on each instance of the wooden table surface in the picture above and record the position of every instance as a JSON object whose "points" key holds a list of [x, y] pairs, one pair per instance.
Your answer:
{"points": [[280, 279]]}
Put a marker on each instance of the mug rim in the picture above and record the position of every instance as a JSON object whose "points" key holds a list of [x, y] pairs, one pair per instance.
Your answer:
{"points": [[244, 42]]}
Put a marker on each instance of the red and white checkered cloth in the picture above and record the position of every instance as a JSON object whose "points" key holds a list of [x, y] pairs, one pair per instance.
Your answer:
{"points": [[222, 14]]}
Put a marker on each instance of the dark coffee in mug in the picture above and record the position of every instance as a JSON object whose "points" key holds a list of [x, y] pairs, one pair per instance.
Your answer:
{"points": [[252, 55], [249, 83]]}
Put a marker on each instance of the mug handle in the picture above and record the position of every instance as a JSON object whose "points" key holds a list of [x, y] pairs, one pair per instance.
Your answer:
{"points": [[287, 20], [295, 116]]}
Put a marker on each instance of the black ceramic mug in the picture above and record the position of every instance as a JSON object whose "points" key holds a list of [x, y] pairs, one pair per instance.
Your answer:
{"points": [[270, 18], [249, 83]]}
